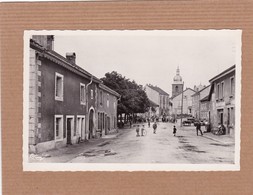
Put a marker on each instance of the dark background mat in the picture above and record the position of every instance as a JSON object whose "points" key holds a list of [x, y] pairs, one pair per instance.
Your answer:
{"points": [[141, 15]]}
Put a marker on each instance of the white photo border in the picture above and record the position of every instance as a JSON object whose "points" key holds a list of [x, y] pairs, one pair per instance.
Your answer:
{"points": [[27, 166]]}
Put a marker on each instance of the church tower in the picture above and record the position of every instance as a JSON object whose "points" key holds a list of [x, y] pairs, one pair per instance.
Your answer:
{"points": [[177, 86]]}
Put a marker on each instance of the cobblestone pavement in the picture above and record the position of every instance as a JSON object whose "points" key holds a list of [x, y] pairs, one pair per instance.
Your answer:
{"points": [[163, 147]]}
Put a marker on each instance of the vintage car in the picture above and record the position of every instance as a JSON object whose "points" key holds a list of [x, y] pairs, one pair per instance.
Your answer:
{"points": [[187, 123]]}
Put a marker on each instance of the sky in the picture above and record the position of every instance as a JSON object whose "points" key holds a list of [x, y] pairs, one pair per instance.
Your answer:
{"points": [[152, 57]]}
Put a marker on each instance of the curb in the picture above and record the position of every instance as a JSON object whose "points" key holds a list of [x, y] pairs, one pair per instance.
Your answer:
{"points": [[207, 137]]}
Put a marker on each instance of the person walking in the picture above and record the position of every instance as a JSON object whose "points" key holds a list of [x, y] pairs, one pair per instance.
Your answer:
{"points": [[137, 131], [154, 127], [148, 122], [142, 130], [198, 128], [174, 130]]}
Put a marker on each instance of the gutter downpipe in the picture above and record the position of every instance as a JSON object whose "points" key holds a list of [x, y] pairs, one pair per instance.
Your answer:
{"points": [[87, 107]]}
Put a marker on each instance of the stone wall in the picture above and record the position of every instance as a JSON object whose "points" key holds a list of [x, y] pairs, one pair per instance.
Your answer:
{"points": [[34, 101]]}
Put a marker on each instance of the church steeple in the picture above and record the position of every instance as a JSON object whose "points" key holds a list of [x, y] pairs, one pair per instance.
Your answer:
{"points": [[178, 71], [177, 79], [177, 86]]}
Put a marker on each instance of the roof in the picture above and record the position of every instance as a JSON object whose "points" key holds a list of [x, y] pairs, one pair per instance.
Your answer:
{"points": [[182, 92], [57, 58], [225, 72], [109, 90], [205, 98], [153, 104], [230, 69], [200, 90], [159, 90]]}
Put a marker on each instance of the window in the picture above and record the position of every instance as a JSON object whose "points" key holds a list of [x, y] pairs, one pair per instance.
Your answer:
{"points": [[82, 94], [222, 90], [218, 91], [107, 103], [99, 121], [91, 94], [58, 127], [176, 89], [232, 86], [101, 97], [58, 87], [114, 105]]}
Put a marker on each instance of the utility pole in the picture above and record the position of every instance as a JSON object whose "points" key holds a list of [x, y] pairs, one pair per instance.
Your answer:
{"points": [[199, 105], [182, 105]]}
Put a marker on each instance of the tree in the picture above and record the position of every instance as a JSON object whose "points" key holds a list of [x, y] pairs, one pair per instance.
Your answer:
{"points": [[133, 98]]}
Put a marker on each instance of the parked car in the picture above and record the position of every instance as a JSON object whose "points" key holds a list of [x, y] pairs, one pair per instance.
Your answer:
{"points": [[187, 123], [191, 119]]}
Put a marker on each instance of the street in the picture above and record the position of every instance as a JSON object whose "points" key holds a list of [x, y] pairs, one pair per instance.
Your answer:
{"points": [[186, 147]]}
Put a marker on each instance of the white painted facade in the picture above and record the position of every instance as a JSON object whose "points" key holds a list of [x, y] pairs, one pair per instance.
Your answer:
{"points": [[153, 95], [187, 102]]}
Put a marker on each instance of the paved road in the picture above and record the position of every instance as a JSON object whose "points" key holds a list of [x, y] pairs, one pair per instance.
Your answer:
{"points": [[162, 147]]}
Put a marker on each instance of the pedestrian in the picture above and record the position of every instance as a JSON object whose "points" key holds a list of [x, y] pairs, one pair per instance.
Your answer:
{"points": [[142, 130], [198, 128], [174, 130], [154, 127], [137, 131], [221, 129], [148, 122]]}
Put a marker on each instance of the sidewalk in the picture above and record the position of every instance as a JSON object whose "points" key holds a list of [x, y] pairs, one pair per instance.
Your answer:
{"points": [[65, 154], [225, 139]]}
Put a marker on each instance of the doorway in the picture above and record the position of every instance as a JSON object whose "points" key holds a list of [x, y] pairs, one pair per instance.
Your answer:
{"points": [[80, 123], [209, 117], [69, 128], [221, 118]]}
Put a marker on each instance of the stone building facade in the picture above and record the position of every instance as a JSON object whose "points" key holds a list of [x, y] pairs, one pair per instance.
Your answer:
{"points": [[158, 97], [222, 100], [205, 113], [186, 98], [197, 110], [63, 99], [107, 102]]}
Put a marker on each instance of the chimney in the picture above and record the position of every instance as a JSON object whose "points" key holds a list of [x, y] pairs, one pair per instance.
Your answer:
{"points": [[71, 57], [47, 41]]}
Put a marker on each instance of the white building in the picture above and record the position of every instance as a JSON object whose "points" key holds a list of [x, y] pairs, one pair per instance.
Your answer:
{"points": [[159, 97], [186, 98]]}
